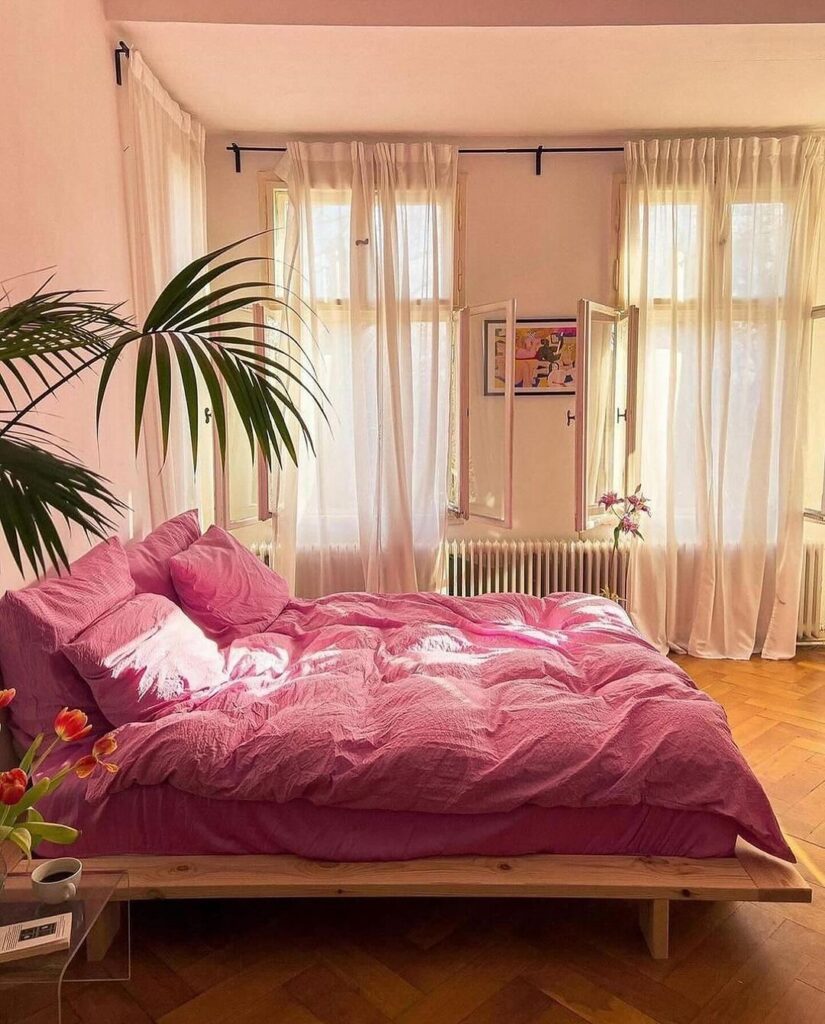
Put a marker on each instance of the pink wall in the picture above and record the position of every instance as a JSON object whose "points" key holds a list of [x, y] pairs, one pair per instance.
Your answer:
{"points": [[61, 201]]}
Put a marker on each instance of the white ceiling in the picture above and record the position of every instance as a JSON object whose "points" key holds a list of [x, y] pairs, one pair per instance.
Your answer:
{"points": [[496, 81]]}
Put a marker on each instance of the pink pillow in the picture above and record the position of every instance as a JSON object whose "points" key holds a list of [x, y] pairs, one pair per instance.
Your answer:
{"points": [[149, 558], [37, 621], [225, 588], [145, 659]]}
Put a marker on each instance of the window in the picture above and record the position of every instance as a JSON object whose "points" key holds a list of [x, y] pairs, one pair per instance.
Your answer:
{"points": [[715, 272]]}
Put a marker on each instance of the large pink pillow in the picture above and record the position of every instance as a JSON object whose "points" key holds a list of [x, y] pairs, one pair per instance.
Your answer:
{"points": [[149, 558], [37, 621], [145, 659], [225, 589]]}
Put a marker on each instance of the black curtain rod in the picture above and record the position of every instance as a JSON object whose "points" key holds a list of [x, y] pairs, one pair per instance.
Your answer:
{"points": [[121, 50], [538, 151]]}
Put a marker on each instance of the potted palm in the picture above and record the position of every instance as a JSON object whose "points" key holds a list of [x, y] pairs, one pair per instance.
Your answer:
{"points": [[195, 330]]}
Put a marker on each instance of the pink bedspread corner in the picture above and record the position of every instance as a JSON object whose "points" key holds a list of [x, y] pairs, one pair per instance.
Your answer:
{"points": [[426, 703]]}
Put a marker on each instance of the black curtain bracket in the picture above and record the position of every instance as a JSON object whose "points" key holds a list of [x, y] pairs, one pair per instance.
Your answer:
{"points": [[537, 151], [121, 50]]}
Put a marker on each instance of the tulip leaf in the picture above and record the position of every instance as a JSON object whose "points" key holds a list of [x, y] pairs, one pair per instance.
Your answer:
{"points": [[52, 832], [31, 753]]}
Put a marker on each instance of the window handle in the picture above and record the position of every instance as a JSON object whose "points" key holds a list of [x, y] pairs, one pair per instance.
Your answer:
{"points": [[621, 415], [570, 417]]}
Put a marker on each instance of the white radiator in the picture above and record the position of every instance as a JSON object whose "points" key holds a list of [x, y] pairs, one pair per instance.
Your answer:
{"points": [[536, 567], [541, 567], [265, 550], [811, 626]]}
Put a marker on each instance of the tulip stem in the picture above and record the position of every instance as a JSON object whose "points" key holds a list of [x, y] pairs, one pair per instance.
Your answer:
{"points": [[44, 755]]}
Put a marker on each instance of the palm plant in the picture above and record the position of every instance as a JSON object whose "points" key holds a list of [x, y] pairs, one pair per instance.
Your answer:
{"points": [[194, 330]]}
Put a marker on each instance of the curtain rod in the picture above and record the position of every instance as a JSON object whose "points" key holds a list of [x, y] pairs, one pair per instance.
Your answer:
{"points": [[538, 151]]}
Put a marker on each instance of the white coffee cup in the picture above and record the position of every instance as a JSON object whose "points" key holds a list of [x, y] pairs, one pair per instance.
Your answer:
{"points": [[58, 890]]}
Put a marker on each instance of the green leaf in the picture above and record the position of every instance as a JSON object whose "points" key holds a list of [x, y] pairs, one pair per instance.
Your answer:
{"points": [[186, 282], [108, 367], [213, 386], [163, 369], [52, 832], [37, 484], [142, 370], [22, 839], [189, 383], [31, 753], [214, 296]]}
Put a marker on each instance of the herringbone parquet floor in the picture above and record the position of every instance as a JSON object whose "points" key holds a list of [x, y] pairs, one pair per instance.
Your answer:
{"points": [[508, 962]]}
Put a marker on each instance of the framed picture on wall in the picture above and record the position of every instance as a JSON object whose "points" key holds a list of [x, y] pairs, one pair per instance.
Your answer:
{"points": [[545, 356]]}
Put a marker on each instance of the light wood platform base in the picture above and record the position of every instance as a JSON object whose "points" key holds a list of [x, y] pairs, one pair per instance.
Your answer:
{"points": [[750, 875]]}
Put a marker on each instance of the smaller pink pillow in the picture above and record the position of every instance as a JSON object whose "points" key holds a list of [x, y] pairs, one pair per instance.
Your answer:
{"points": [[145, 659], [149, 558], [225, 589], [35, 623]]}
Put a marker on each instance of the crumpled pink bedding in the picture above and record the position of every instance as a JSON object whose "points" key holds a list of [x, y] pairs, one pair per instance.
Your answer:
{"points": [[427, 703]]}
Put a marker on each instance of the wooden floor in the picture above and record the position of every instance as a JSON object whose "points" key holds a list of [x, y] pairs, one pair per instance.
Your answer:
{"points": [[508, 962]]}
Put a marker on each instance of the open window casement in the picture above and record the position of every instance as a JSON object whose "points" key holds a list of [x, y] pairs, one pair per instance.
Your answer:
{"points": [[605, 406], [243, 482], [481, 411]]}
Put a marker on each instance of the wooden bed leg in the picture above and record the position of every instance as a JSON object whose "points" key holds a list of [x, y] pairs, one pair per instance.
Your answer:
{"points": [[654, 918], [103, 932]]}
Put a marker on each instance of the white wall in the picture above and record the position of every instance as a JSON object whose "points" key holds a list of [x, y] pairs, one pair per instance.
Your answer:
{"points": [[61, 202], [547, 241]]}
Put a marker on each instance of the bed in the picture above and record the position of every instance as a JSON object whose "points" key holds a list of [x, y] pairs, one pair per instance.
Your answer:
{"points": [[367, 744]]}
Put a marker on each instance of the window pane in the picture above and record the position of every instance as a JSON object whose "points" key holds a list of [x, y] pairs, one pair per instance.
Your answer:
{"points": [[758, 250], [672, 228], [330, 226]]}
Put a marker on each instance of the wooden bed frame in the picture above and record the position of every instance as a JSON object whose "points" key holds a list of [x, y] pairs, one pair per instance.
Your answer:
{"points": [[653, 881]]}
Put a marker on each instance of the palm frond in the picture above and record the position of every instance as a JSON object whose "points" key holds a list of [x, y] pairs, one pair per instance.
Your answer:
{"points": [[41, 483], [48, 338], [184, 336], [192, 335]]}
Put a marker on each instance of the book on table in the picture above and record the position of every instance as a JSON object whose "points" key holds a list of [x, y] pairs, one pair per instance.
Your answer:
{"points": [[31, 938]]}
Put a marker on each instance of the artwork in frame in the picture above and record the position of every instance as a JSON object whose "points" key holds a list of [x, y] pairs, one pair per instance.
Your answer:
{"points": [[545, 356]]}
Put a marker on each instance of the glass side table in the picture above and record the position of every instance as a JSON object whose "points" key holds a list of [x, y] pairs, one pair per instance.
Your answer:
{"points": [[100, 914]]}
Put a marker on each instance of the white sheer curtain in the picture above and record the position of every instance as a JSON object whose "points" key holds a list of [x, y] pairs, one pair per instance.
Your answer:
{"points": [[165, 174], [723, 236], [369, 248]]}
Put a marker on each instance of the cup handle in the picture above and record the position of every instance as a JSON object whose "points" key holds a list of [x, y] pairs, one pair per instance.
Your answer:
{"points": [[69, 891]]}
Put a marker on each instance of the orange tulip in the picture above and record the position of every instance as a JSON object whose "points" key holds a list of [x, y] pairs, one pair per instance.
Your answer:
{"points": [[6, 697], [12, 786], [71, 725], [102, 748]]}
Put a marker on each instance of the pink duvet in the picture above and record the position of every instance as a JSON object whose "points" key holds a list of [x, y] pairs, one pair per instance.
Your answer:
{"points": [[426, 703]]}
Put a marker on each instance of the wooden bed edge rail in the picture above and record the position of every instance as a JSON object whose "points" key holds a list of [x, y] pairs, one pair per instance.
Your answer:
{"points": [[750, 875], [654, 881]]}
